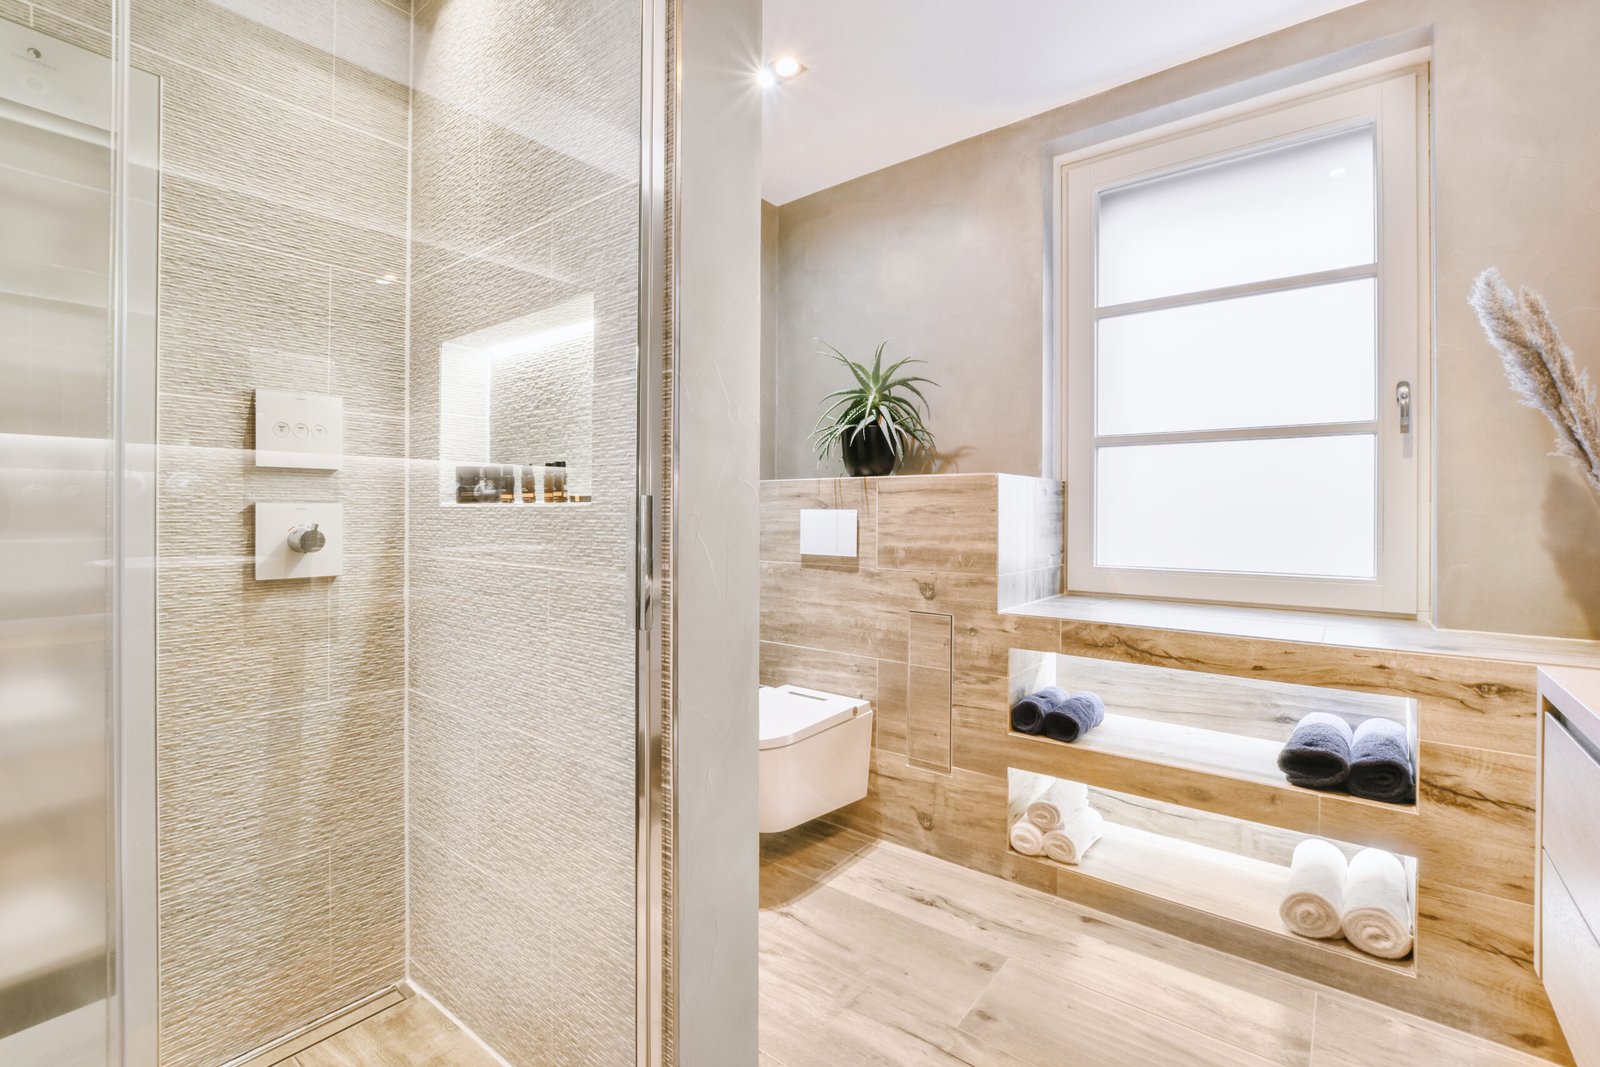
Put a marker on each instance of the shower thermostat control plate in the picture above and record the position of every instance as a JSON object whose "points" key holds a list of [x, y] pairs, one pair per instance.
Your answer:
{"points": [[304, 431], [275, 558]]}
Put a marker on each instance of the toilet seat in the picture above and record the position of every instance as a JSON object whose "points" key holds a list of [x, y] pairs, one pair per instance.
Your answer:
{"points": [[790, 713]]}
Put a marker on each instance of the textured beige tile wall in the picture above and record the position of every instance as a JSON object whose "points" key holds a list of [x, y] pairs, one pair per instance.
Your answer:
{"points": [[944, 255], [524, 182], [281, 764]]}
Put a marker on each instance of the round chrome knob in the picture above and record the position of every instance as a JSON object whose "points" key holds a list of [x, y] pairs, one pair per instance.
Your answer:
{"points": [[307, 539]]}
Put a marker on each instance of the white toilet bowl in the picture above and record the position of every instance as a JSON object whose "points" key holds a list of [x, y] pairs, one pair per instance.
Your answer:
{"points": [[815, 752]]}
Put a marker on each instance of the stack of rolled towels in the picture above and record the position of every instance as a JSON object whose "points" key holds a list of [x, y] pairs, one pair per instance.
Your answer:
{"points": [[1052, 817], [1371, 761], [1366, 899], [1057, 714]]}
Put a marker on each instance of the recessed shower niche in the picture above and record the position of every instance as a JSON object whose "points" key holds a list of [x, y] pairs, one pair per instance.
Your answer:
{"points": [[515, 425]]}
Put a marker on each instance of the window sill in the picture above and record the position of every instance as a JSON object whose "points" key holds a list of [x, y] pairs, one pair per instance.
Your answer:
{"points": [[1311, 627]]}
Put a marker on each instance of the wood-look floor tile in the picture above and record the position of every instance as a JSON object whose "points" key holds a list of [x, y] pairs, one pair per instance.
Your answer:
{"points": [[1352, 1034], [410, 1034], [847, 953], [1029, 1012], [813, 850], [1267, 1013]]}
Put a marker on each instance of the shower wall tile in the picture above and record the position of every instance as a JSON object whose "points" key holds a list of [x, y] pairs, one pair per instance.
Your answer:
{"points": [[281, 705], [243, 788], [282, 49], [217, 132], [521, 619], [246, 218], [262, 315], [372, 67], [16, 11], [256, 941]]}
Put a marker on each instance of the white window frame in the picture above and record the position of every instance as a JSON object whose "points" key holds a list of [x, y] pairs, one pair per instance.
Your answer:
{"points": [[1395, 105]]}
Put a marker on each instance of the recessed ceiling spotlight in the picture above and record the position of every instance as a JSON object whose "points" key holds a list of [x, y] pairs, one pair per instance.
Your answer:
{"points": [[780, 70]]}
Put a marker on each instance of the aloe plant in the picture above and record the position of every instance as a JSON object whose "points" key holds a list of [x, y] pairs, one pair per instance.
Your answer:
{"points": [[878, 398]]}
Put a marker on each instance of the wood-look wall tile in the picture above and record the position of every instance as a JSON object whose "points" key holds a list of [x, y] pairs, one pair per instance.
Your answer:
{"points": [[1474, 703], [928, 639], [944, 523], [813, 668], [782, 502], [928, 717], [1295, 809], [1476, 952], [890, 707]]}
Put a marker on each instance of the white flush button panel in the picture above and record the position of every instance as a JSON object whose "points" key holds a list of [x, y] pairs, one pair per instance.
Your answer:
{"points": [[300, 430], [299, 541], [828, 532]]}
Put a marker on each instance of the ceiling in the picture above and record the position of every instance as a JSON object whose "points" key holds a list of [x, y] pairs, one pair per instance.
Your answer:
{"points": [[888, 80]]}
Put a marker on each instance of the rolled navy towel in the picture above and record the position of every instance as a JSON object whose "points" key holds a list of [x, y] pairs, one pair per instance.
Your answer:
{"points": [[1027, 714], [1313, 898], [1074, 717], [1056, 802], [1027, 838], [1380, 763], [1377, 905], [1318, 753], [1068, 842]]}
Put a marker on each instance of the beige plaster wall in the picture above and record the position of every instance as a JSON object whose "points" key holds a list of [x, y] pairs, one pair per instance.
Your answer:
{"points": [[944, 256]]}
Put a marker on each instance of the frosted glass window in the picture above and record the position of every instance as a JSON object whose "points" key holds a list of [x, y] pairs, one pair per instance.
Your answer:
{"points": [[1291, 506], [1289, 358], [1295, 209]]}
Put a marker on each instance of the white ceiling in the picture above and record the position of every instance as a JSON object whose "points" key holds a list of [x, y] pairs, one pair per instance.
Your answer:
{"points": [[888, 80]]}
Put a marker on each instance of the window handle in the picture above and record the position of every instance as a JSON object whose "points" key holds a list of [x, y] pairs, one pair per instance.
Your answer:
{"points": [[1402, 396]]}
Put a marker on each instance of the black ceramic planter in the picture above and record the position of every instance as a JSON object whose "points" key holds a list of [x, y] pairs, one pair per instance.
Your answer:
{"points": [[868, 454]]}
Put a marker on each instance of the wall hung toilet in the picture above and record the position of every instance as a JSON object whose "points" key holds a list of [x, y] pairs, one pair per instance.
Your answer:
{"points": [[815, 751]]}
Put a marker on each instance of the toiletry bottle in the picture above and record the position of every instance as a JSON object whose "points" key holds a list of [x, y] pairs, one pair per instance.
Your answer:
{"points": [[555, 481], [486, 491], [466, 485], [506, 480]]}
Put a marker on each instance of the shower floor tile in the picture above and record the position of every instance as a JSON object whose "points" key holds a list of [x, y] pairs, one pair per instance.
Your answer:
{"points": [[874, 954], [413, 1033]]}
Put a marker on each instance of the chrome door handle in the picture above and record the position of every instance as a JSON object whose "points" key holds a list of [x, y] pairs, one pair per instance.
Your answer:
{"points": [[1402, 396]]}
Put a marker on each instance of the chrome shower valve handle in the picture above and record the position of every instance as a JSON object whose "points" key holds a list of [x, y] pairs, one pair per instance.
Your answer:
{"points": [[307, 539]]}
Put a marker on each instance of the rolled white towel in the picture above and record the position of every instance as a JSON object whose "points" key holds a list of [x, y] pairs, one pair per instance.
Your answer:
{"points": [[1313, 898], [1026, 787], [1059, 799], [1068, 842], [1027, 838], [1377, 905]]}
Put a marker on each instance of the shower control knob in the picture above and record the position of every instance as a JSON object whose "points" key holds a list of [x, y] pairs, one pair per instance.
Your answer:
{"points": [[307, 539]]}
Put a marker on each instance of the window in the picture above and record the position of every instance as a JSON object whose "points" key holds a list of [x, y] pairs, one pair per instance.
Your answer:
{"points": [[1245, 378]]}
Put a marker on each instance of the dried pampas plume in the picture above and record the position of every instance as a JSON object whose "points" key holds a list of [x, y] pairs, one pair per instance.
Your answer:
{"points": [[1540, 368]]}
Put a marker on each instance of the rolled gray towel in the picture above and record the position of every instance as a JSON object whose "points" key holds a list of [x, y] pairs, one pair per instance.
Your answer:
{"points": [[1074, 717], [1380, 763], [1027, 714], [1318, 753]]}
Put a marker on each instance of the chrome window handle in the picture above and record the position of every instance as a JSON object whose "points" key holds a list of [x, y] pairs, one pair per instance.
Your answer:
{"points": [[1402, 396]]}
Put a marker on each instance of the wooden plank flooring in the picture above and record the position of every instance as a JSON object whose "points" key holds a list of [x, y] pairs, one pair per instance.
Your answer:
{"points": [[875, 954]]}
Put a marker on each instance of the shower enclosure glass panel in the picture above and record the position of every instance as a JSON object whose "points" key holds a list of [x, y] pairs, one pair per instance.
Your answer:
{"points": [[56, 456]]}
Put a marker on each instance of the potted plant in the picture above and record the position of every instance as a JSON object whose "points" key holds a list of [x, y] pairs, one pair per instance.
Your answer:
{"points": [[874, 422]]}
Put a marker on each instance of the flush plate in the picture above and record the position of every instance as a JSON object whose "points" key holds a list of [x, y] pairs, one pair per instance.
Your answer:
{"points": [[302, 431], [828, 532]]}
